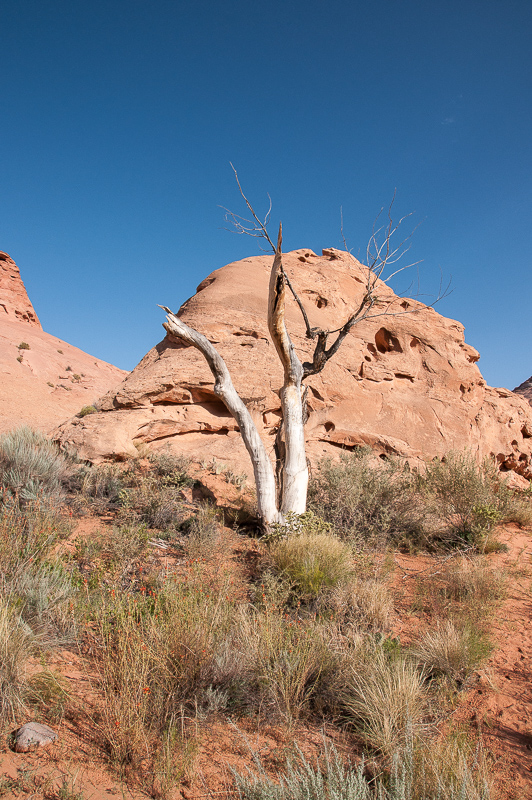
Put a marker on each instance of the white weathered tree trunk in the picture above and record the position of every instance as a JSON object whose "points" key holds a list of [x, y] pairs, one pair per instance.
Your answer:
{"points": [[223, 387], [294, 472]]}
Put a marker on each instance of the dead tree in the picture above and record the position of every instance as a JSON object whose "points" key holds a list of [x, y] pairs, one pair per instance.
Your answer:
{"points": [[284, 493]]}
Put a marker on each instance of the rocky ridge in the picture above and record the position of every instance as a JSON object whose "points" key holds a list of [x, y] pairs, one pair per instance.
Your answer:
{"points": [[43, 380], [14, 300], [525, 390], [406, 384]]}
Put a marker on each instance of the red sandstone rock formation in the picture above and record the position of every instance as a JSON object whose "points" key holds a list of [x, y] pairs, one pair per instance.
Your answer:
{"points": [[47, 380], [525, 390], [406, 384], [14, 300]]}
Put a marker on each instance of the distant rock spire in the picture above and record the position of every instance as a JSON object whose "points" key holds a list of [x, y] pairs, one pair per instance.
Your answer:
{"points": [[14, 300]]}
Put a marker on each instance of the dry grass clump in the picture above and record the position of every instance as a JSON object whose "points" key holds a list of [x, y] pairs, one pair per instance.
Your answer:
{"points": [[160, 654], [385, 700], [451, 650], [287, 664], [465, 586], [16, 645], [362, 604], [203, 533], [312, 562]]}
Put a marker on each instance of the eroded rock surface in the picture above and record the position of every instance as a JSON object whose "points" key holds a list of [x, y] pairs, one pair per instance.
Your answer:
{"points": [[14, 300], [405, 384]]}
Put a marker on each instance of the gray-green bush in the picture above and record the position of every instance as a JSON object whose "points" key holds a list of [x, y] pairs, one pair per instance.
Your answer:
{"points": [[31, 466]]}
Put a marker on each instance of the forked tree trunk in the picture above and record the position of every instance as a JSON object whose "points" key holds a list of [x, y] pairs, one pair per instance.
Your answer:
{"points": [[294, 472]]}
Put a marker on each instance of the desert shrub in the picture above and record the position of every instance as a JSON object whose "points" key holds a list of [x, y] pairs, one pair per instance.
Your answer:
{"points": [[86, 410], [311, 562], [157, 506], [103, 482], [384, 699], [23, 346], [469, 498], [172, 468], [16, 645], [451, 650], [329, 780], [451, 769], [31, 466], [366, 501], [43, 595]]}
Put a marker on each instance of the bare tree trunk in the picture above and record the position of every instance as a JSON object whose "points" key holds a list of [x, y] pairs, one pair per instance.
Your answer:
{"points": [[295, 470], [223, 387]]}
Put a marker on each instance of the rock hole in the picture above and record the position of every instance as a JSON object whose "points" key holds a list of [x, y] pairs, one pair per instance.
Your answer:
{"points": [[316, 394], [372, 349], [386, 342], [415, 343], [405, 305], [302, 258], [525, 431], [329, 426]]}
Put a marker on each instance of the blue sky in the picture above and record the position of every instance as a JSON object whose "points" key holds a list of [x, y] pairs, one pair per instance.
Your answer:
{"points": [[120, 118]]}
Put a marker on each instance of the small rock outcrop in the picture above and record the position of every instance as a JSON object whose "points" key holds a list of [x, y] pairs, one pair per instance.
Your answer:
{"points": [[32, 736], [405, 384], [14, 300]]}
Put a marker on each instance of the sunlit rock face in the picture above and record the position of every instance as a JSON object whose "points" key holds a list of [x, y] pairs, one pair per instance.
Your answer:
{"points": [[43, 380], [15, 305], [404, 382]]}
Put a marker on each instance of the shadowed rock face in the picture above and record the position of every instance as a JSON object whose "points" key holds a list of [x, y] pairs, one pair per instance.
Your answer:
{"points": [[525, 390], [14, 300], [406, 384]]}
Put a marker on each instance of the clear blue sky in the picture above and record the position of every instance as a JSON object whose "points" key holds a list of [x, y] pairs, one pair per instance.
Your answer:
{"points": [[120, 118]]}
